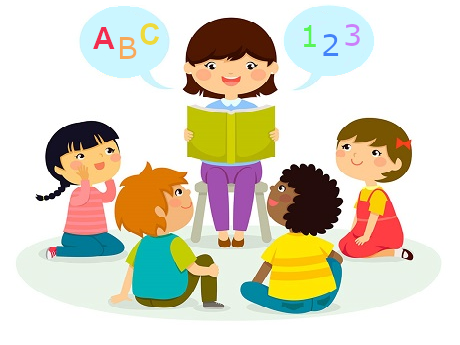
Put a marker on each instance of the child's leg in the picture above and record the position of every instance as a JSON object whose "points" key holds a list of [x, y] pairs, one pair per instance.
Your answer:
{"points": [[384, 252], [208, 288], [324, 301], [79, 246], [217, 181], [245, 181], [110, 244], [257, 293]]}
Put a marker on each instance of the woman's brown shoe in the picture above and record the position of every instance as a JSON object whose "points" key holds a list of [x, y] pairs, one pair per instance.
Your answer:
{"points": [[238, 244], [225, 243]]}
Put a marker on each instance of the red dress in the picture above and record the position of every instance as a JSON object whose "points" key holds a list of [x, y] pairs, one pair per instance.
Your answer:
{"points": [[387, 233]]}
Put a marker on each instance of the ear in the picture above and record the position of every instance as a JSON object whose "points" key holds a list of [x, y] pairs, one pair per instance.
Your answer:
{"points": [[397, 165], [160, 212], [59, 171], [273, 68], [188, 68]]}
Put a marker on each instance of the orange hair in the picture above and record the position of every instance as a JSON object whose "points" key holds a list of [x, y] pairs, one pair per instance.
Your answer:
{"points": [[141, 194]]}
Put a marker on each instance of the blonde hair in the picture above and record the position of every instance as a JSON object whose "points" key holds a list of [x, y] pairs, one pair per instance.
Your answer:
{"points": [[141, 194]]}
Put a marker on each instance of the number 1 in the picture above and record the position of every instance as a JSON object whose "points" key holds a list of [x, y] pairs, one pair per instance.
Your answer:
{"points": [[309, 37]]}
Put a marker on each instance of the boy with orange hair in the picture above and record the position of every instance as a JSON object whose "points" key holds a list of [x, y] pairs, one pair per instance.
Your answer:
{"points": [[163, 271]]}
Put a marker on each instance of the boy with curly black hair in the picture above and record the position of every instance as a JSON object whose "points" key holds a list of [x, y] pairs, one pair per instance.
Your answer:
{"points": [[305, 271]]}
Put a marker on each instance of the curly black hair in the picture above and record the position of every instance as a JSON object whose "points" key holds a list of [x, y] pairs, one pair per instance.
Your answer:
{"points": [[316, 207]]}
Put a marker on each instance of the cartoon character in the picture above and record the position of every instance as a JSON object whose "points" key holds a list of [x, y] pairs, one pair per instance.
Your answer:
{"points": [[305, 272], [163, 271], [374, 150], [84, 153], [231, 59]]}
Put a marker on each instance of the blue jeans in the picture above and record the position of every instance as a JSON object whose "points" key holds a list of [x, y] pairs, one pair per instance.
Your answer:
{"points": [[89, 245], [258, 293]]}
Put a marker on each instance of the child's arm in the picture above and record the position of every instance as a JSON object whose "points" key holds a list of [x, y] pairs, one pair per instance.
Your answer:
{"points": [[263, 272], [336, 256], [369, 229], [126, 287], [85, 189], [110, 193], [197, 270]]}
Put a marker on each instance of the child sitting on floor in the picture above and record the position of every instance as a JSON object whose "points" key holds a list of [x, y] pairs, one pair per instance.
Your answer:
{"points": [[163, 270], [305, 271]]}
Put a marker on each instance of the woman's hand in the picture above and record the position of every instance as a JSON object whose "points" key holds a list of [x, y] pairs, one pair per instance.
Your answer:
{"points": [[188, 135], [83, 172], [361, 240], [119, 298], [275, 135]]}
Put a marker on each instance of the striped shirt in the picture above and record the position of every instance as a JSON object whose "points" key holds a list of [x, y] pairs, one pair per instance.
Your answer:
{"points": [[299, 267], [86, 212]]}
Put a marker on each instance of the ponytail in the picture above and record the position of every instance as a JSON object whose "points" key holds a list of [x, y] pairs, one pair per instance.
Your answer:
{"points": [[57, 192]]}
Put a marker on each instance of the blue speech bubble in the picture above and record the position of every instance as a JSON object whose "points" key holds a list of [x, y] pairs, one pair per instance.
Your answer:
{"points": [[328, 41], [143, 39]]}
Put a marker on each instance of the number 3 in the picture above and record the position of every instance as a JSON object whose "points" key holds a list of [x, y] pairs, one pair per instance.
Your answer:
{"points": [[353, 34]]}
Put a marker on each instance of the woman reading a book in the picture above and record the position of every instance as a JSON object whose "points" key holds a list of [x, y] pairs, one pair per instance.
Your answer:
{"points": [[231, 59]]}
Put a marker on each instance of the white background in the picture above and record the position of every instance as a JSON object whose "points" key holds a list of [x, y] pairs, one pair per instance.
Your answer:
{"points": [[411, 78]]}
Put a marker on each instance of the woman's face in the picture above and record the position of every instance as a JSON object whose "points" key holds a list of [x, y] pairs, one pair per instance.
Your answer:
{"points": [[231, 77], [363, 161], [102, 161]]}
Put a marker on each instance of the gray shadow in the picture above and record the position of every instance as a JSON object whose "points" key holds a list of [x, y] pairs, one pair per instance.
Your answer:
{"points": [[134, 305], [211, 310], [210, 242], [83, 260], [368, 260]]}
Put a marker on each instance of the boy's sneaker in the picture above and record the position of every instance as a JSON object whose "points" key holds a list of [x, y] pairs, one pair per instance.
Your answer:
{"points": [[215, 305], [51, 253]]}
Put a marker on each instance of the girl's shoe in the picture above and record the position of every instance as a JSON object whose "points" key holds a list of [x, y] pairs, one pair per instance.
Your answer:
{"points": [[238, 244], [225, 243], [51, 253], [407, 254]]}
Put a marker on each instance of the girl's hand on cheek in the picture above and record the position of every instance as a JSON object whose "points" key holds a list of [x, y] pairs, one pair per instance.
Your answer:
{"points": [[83, 172]]}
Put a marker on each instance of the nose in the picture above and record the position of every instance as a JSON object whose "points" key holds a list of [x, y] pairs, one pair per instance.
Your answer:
{"points": [[187, 191], [100, 154], [272, 187], [354, 154]]}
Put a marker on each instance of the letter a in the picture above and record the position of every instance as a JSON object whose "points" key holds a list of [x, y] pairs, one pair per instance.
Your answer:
{"points": [[101, 41]]}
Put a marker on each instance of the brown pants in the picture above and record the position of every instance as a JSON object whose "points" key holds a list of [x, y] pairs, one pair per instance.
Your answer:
{"points": [[208, 288]]}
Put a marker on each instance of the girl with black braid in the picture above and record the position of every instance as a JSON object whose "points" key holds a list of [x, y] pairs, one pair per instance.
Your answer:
{"points": [[84, 154]]}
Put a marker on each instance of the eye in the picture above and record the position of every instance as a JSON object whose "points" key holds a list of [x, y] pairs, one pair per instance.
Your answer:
{"points": [[376, 153], [211, 65], [346, 147], [109, 150], [178, 192], [281, 188], [80, 156], [251, 65]]}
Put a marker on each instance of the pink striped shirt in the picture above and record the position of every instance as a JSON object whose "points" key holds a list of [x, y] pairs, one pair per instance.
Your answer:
{"points": [[86, 212]]}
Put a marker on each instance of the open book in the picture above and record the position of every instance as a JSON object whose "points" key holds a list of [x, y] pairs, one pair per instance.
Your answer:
{"points": [[237, 136]]}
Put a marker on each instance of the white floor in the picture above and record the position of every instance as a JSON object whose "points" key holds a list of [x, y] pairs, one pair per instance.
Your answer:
{"points": [[89, 282]]}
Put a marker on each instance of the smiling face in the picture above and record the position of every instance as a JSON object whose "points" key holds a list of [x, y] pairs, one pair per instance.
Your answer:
{"points": [[231, 77], [103, 162], [281, 196], [363, 161], [180, 208]]}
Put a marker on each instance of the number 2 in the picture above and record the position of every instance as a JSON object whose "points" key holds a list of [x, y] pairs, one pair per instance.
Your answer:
{"points": [[332, 46], [353, 34]]}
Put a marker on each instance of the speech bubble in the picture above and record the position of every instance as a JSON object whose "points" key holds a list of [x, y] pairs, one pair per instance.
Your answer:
{"points": [[328, 41], [125, 42]]}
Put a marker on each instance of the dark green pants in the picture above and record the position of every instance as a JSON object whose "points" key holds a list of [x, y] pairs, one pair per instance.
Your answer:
{"points": [[208, 288]]}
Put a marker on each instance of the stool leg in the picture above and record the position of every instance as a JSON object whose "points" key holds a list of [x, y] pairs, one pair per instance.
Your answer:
{"points": [[199, 216], [263, 218]]}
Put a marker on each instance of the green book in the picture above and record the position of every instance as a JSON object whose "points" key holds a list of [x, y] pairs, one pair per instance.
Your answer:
{"points": [[236, 136]]}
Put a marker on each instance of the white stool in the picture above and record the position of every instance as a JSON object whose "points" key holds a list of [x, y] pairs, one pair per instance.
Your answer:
{"points": [[202, 189]]}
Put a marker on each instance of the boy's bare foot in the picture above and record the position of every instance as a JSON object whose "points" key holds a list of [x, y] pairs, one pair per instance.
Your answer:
{"points": [[215, 305]]}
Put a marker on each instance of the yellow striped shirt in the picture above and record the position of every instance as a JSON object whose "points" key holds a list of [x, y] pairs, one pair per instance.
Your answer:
{"points": [[299, 267]]}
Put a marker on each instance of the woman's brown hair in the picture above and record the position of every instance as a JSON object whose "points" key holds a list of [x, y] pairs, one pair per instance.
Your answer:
{"points": [[384, 133], [230, 38], [140, 195]]}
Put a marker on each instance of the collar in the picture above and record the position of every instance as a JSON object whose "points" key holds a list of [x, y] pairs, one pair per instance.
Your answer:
{"points": [[372, 187], [229, 102]]}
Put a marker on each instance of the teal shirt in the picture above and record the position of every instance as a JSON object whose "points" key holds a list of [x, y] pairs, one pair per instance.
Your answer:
{"points": [[160, 266]]}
